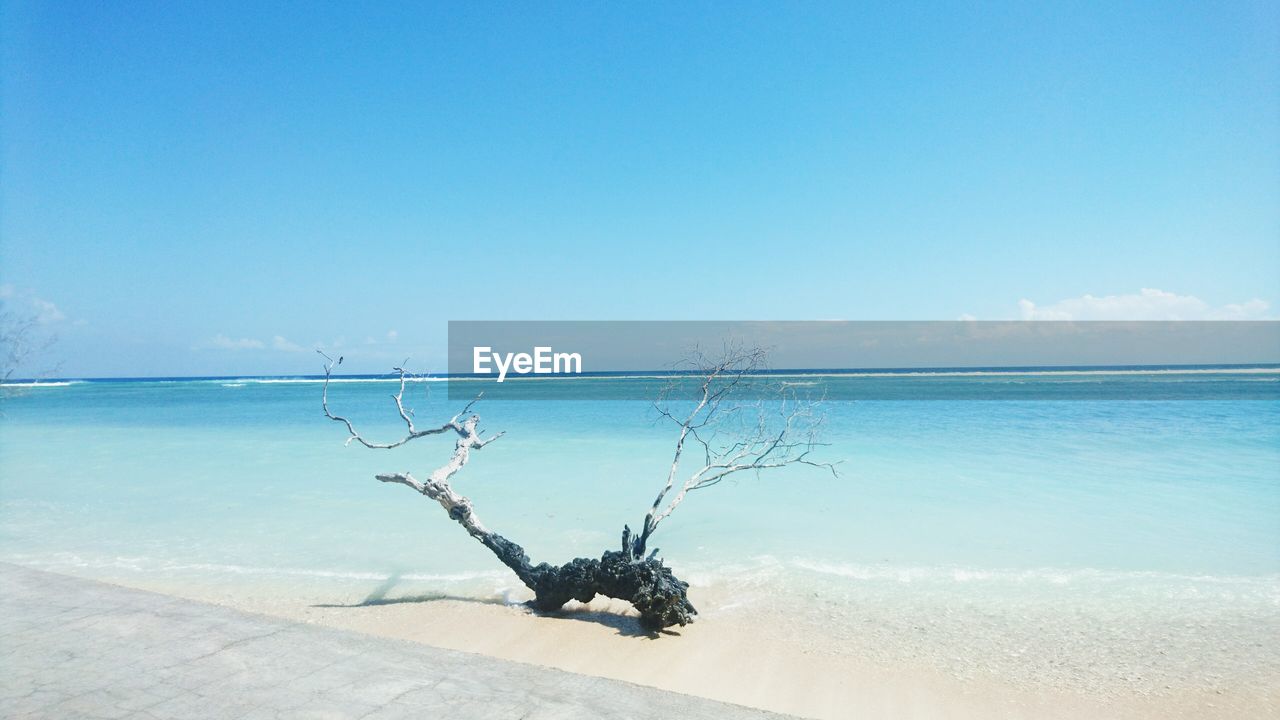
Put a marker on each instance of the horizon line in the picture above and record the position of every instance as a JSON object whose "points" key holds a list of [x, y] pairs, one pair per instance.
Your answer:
{"points": [[901, 370]]}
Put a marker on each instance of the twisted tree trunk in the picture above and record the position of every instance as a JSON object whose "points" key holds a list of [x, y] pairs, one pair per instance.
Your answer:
{"points": [[625, 574], [647, 584]]}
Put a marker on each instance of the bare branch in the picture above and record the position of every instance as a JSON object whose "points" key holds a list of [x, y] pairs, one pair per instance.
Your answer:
{"points": [[22, 340], [730, 444], [437, 485], [454, 424]]}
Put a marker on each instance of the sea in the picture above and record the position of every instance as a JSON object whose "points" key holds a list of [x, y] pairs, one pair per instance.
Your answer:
{"points": [[1117, 530]]}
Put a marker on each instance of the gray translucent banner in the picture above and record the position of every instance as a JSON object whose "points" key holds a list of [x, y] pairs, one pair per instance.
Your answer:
{"points": [[856, 360]]}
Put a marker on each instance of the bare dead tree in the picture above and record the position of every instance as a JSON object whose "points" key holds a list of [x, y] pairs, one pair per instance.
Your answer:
{"points": [[777, 434]]}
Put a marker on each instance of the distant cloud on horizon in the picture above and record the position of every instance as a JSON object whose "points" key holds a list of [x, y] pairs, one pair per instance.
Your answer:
{"points": [[222, 342], [1147, 304], [44, 312], [280, 343]]}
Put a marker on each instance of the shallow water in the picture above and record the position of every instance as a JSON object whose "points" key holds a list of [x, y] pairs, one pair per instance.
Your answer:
{"points": [[1085, 542]]}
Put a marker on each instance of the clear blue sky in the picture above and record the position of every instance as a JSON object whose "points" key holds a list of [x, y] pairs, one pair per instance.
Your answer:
{"points": [[186, 182]]}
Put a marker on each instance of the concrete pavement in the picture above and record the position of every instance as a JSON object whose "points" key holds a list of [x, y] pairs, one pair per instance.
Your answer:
{"points": [[74, 648]]}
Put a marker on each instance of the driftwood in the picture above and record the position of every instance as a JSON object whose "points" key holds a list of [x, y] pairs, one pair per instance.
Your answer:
{"points": [[627, 573]]}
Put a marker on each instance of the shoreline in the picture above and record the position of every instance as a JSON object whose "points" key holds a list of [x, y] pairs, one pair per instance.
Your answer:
{"points": [[725, 657]]}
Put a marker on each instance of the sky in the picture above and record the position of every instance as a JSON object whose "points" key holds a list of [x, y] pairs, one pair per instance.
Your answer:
{"points": [[221, 188]]}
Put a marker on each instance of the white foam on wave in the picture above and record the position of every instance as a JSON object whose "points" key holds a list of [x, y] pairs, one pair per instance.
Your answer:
{"points": [[156, 566], [333, 381], [328, 574], [796, 379], [1041, 575], [747, 580], [1272, 374]]}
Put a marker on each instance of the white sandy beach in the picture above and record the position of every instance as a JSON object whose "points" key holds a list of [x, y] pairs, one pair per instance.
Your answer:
{"points": [[736, 659]]}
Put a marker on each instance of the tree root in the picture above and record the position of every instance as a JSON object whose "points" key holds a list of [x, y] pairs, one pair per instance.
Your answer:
{"points": [[648, 585]]}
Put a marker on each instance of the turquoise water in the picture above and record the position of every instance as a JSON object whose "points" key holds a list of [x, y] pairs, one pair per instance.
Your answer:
{"points": [[1074, 512]]}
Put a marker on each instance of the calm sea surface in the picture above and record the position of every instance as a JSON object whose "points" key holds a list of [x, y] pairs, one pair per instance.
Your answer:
{"points": [[1049, 518]]}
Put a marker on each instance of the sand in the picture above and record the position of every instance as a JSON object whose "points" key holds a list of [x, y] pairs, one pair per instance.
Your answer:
{"points": [[726, 659], [744, 658]]}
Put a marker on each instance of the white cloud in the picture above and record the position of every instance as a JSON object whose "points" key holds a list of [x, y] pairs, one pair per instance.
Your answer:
{"points": [[30, 306], [222, 342], [47, 312], [279, 343], [1148, 304], [391, 337]]}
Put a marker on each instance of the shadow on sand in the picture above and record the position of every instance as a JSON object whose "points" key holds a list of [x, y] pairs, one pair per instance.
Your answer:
{"points": [[625, 625]]}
